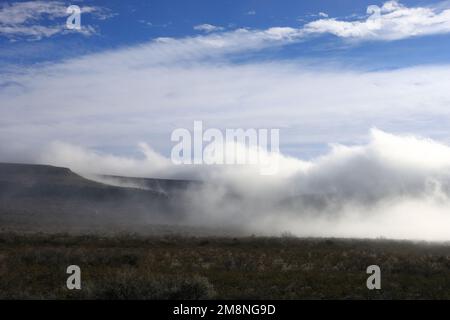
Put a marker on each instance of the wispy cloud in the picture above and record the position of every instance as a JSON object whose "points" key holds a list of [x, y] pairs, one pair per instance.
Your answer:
{"points": [[42, 19], [206, 27], [392, 21]]}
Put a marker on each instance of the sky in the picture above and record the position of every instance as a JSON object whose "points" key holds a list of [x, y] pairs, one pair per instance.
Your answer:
{"points": [[359, 91], [322, 71], [116, 24]]}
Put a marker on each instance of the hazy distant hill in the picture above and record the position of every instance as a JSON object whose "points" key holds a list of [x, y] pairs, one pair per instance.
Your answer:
{"points": [[54, 197], [41, 197]]}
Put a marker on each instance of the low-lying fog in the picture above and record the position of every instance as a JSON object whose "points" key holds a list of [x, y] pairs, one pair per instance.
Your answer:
{"points": [[394, 187]]}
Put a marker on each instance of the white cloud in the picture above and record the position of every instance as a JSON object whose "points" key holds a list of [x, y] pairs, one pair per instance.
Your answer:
{"points": [[391, 21], [215, 45], [24, 19], [207, 28]]}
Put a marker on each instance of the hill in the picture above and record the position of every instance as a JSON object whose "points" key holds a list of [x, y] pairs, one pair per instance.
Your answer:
{"points": [[48, 197]]}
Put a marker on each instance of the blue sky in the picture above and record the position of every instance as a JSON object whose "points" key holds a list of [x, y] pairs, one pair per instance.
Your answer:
{"points": [[135, 22], [322, 71]]}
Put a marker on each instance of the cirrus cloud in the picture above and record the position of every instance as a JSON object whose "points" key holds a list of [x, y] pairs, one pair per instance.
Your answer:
{"points": [[42, 19]]}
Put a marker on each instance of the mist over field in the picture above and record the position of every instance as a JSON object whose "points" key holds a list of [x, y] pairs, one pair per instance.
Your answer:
{"points": [[394, 186]]}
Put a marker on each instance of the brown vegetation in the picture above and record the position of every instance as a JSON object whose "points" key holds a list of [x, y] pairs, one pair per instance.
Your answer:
{"points": [[176, 267]]}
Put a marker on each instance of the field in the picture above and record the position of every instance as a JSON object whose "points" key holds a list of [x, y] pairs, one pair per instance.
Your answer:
{"points": [[33, 266]]}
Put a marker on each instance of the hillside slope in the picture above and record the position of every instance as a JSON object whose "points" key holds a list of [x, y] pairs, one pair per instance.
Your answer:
{"points": [[53, 197]]}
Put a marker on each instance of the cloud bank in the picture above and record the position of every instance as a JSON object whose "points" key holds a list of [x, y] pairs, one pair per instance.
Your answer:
{"points": [[394, 186], [116, 99]]}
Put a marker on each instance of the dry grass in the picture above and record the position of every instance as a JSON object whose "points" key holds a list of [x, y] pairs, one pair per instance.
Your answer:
{"points": [[171, 267]]}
